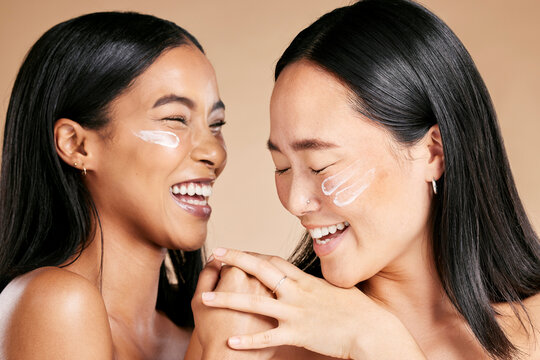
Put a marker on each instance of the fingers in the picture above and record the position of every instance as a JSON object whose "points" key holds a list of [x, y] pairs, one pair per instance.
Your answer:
{"points": [[208, 277], [274, 337], [256, 304], [266, 272], [286, 267]]}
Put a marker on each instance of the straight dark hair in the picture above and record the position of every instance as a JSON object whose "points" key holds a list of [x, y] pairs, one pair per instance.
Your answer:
{"points": [[75, 70], [408, 71]]}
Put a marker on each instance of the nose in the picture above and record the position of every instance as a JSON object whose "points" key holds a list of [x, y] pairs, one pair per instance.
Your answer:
{"points": [[303, 196], [209, 149]]}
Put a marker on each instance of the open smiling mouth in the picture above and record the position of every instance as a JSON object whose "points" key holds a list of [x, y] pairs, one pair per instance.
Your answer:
{"points": [[192, 196], [322, 235], [327, 238]]}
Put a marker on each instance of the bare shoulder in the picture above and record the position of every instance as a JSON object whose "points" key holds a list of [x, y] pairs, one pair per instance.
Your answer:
{"points": [[52, 313], [533, 305], [523, 331]]}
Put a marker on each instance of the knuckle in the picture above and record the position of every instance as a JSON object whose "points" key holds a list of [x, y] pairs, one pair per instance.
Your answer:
{"points": [[274, 259], [255, 300], [264, 266], [231, 271], [266, 338], [233, 254], [259, 289]]}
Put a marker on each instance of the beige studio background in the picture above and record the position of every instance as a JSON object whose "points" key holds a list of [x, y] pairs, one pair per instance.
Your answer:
{"points": [[244, 38]]}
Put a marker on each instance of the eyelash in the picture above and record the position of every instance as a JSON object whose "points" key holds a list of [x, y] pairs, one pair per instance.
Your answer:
{"points": [[177, 118], [316, 172], [217, 125]]}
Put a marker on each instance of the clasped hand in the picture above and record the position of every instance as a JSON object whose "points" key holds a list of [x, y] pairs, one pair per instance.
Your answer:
{"points": [[310, 312]]}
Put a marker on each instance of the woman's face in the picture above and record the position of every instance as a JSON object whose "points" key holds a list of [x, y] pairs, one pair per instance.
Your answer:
{"points": [[362, 196], [161, 153]]}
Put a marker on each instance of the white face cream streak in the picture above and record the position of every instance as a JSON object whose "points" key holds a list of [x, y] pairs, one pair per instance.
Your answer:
{"points": [[163, 138], [350, 193], [341, 187], [331, 183]]}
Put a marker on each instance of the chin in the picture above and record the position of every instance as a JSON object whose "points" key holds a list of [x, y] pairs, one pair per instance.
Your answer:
{"points": [[192, 247], [339, 276], [188, 242]]}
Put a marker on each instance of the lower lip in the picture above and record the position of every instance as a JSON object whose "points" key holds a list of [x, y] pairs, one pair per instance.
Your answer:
{"points": [[325, 249], [201, 211]]}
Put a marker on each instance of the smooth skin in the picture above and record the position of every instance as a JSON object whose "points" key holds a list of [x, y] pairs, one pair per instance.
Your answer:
{"points": [[210, 343], [381, 297], [78, 312]]}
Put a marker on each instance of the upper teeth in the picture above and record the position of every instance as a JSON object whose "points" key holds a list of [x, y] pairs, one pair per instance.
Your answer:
{"points": [[319, 232], [192, 189]]}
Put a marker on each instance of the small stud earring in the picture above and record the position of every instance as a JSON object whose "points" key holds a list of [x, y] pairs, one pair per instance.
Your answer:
{"points": [[434, 184], [75, 163], [308, 201]]}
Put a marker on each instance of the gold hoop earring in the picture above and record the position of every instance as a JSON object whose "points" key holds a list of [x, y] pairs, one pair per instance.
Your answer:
{"points": [[434, 185], [84, 171]]}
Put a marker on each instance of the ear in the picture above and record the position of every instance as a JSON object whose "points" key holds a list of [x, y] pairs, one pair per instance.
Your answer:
{"points": [[72, 143], [435, 165]]}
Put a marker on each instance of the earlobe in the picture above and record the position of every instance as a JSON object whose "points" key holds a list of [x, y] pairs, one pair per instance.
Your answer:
{"points": [[70, 141], [435, 166]]}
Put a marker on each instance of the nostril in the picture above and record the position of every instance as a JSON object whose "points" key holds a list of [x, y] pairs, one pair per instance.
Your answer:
{"points": [[208, 162]]}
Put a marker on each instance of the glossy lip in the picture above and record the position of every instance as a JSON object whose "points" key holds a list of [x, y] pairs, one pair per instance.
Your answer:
{"points": [[201, 211], [326, 249]]}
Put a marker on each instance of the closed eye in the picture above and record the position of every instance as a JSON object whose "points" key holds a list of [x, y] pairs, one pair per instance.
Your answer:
{"points": [[281, 171], [321, 169], [177, 118], [216, 127]]}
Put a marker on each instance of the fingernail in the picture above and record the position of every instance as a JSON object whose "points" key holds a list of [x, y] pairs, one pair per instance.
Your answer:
{"points": [[219, 251], [234, 340], [208, 296], [210, 259]]}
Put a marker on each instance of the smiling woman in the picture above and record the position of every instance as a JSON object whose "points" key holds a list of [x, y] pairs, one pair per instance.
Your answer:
{"points": [[111, 117], [388, 151]]}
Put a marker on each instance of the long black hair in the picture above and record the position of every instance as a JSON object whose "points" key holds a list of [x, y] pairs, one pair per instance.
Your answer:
{"points": [[408, 71], [75, 70]]}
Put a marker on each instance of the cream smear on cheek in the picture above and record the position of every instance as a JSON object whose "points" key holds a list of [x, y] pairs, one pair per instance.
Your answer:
{"points": [[158, 137], [348, 184]]}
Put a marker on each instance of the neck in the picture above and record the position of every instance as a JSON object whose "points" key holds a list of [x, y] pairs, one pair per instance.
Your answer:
{"points": [[411, 289], [129, 276]]}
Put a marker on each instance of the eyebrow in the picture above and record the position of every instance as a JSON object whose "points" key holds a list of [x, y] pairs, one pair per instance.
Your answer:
{"points": [[306, 144], [167, 99]]}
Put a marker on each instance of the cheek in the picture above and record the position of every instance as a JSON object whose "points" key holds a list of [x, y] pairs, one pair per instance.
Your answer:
{"points": [[155, 160], [395, 205], [347, 187], [283, 188], [165, 139], [141, 162]]}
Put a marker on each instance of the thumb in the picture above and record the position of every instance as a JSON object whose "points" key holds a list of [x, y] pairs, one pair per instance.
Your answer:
{"points": [[209, 277]]}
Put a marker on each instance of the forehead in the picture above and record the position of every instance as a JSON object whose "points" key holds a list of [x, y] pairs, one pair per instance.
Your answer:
{"points": [[308, 101], [184, 71], [311, 103], [305, 87]]}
